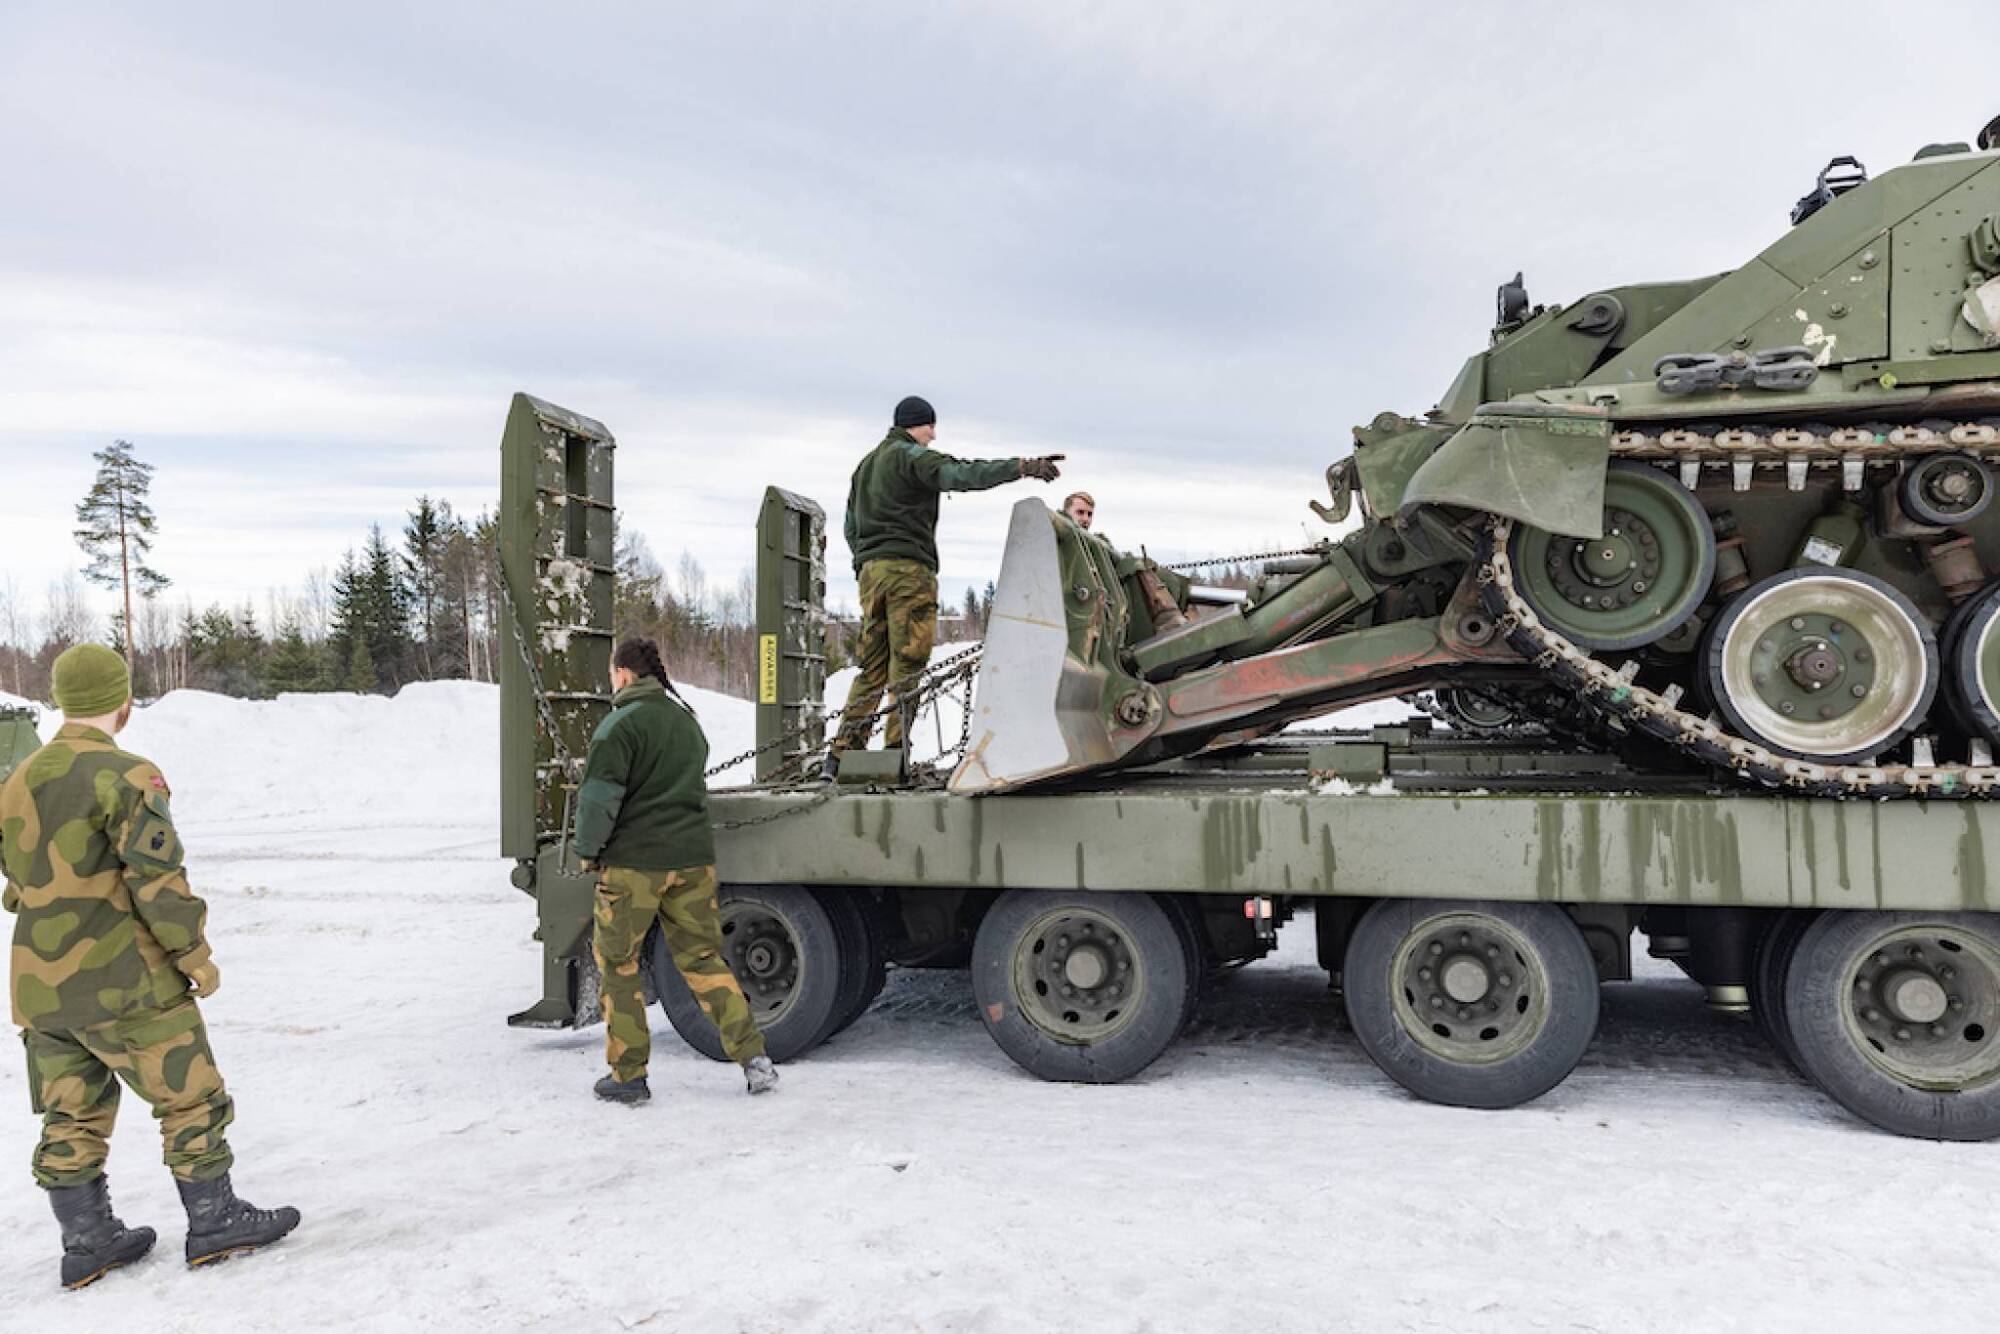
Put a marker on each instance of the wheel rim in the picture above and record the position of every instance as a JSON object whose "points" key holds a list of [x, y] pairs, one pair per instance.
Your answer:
{"points": [[763, 953], [1922, 1004], [1470, 989], [1637, 582], [1947, 489], [1826, 665], [1478, 711], [1076, 976]]}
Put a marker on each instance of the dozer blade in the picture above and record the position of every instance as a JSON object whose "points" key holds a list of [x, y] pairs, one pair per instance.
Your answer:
{"points": [[1020, 730]]}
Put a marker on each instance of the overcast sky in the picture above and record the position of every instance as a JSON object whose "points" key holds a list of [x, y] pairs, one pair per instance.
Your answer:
{"points": [[301, 255]]}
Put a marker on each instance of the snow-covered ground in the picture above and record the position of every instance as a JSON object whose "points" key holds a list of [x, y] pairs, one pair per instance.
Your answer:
{"points": [[456, 1174]]}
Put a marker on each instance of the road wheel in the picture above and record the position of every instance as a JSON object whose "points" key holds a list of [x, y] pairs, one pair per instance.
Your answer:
{"points": [[1972, 664], [1637, 582], [1767, 981], [1896, 1015], [782, 945], [1827, 665], [1470, 1003], [863, 965], [1088, 988]]}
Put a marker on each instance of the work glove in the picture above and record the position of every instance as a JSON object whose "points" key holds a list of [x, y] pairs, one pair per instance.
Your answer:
{"points": [[1042, 469], [204, 978]]}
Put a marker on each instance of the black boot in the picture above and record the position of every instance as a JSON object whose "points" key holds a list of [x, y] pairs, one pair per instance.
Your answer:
{"points": [[94, 1241], [630, 1092], [220, 1225]]}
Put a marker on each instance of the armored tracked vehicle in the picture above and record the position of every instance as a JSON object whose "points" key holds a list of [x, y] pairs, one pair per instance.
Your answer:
{"points": [[18, 737], [1743, 521], [1692, 576]]}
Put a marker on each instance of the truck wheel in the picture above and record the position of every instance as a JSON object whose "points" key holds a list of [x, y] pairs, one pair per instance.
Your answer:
{"points": [[782, 946], [1896, 1015], [863, 968], [1088, 988], [1470, 1003], [1767, 982]]}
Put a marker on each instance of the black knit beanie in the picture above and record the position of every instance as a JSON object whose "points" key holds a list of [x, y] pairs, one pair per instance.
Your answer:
{"points": [[913, 411]]}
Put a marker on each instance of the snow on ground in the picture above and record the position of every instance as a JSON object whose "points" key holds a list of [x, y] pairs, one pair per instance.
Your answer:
{"points": [[456, 1174]]}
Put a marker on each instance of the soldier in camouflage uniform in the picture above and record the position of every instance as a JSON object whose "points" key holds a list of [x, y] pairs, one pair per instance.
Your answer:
{"points": [[892, 512], [109, 955], [642, 825]]}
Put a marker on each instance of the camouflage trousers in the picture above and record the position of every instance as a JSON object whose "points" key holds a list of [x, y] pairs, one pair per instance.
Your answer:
{"points": [[683, 903], [164, 1055], [898, 626]]}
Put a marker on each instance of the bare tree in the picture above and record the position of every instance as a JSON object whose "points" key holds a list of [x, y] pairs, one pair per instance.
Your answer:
{"points": [[13, 627], [68, 618]]}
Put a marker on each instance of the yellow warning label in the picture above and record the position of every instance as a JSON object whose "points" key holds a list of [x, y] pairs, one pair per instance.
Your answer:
{"points": [[767, 669]]}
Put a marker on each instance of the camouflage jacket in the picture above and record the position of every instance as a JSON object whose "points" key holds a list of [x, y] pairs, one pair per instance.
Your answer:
{"points": [[107, 921]]}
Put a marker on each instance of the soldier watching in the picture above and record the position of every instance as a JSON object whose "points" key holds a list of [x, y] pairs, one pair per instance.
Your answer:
{"points": [[109, 956], [642, 825], [1079, 507], [892, 513]]}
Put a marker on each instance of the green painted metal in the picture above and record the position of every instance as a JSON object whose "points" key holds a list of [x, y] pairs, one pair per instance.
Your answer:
{"points": [[1540, 463], [557, 534], [556, 539], [791, 630], [18, 738], [1567, 847]]}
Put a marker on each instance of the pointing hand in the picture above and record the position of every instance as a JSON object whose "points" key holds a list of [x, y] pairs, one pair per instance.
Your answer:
{"points": [[1042, 469]]}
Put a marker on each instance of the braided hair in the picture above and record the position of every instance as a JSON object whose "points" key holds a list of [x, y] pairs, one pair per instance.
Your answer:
{"points": [[641, 657]]}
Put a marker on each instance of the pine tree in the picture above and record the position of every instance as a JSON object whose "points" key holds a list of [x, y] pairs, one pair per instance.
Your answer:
{"points": [[361, 669], [115, 528], [431, 539], [295, 664]]}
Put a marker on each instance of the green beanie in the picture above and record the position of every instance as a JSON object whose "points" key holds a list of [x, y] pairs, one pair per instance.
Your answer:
{"points": [[90, 681]]}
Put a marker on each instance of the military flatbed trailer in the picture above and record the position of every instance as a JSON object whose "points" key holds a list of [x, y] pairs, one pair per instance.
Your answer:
{"points": [[1468, 894]]}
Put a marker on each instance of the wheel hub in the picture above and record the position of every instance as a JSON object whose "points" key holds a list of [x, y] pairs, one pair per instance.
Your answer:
{"points": [[1924, 1006], [1077, 977], [1470, 990], [1823, 665], [1638, 581], [762, 955], [1465, 979], [1814, 667]]}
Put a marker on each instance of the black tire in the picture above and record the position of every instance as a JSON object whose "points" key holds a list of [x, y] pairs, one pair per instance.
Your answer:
{"points": [[1552, 979], [792, 1025], [862, 966], [1767, 981], [1187, 920], [1969, 624], [1837, 1049], [1026, 1028]]}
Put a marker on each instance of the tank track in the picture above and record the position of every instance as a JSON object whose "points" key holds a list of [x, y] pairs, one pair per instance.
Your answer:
{"points": [[1613, 693]]}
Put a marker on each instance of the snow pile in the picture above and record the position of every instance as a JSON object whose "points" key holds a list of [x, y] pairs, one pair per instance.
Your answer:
{"points": [[455, 1173]]}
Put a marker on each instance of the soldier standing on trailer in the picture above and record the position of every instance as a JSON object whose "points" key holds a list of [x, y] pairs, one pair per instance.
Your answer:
{"points": [[109, 955], [642, 826], [892, 513]]}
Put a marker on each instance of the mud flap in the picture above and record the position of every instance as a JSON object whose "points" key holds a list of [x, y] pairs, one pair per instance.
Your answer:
{"points": [[1017, 728]]}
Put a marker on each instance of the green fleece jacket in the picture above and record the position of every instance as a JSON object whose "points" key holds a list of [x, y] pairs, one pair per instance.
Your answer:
{"points": [[644, 802], [892, 502]]}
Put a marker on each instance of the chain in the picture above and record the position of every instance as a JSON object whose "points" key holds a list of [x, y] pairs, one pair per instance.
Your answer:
{"points": [[1613, 694], [929, 684], [1245, 558]]}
